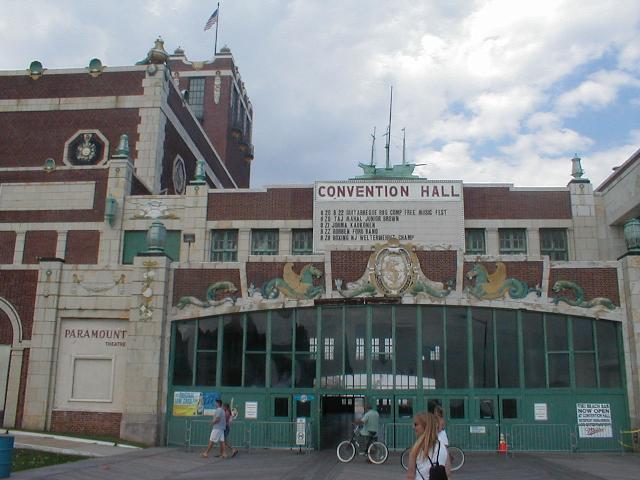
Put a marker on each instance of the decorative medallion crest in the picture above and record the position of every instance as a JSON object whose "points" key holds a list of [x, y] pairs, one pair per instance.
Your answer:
{"points": [[179, 176], [86, 150], [154, 209], [393, 270]]}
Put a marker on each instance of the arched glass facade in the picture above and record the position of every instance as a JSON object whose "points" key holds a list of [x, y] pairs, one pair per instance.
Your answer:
{"points": [[486, 367]]}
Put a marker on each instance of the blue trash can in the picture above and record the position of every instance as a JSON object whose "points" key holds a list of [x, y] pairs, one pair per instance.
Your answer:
{"points": [[6, 452]]}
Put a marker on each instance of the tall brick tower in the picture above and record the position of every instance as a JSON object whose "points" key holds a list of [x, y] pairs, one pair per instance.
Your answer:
{"points": [[219, 100]]}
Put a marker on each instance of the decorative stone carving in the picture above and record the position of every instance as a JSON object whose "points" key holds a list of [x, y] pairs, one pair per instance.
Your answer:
{"points": [[98, 284], [146, 292], [293, 285], [154, 209], [578, 293], [212, 296], [491, 286]]}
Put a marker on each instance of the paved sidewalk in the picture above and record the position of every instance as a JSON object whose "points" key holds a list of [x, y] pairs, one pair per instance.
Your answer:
{"points": [[170, 463], [67, 445]]}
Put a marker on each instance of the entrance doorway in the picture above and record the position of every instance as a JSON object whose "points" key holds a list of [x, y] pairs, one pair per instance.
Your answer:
{"points": [[338, 413]]}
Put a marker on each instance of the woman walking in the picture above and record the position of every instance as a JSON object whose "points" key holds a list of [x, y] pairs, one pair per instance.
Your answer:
{"points": [[427, 451]]}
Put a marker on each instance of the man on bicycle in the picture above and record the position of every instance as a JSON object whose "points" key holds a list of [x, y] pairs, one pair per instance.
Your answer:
{"points": [[370, 422]]}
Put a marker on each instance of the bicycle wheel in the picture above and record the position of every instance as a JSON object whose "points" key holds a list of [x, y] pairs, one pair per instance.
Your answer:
{"points": [[346, 451], [404, 458], [378, 453], [456, 457]]}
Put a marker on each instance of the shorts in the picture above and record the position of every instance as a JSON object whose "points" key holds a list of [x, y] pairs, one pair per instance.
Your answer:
{"points": [[216, 436], [226, 432]]}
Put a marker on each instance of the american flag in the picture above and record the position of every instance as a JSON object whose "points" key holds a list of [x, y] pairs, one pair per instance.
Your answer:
{"points": [[213, 19]]}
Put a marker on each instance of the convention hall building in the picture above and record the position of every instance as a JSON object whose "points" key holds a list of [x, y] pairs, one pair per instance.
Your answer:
{"points": [[141, 278]]}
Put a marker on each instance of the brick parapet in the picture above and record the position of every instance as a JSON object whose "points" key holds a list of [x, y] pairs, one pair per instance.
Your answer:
{"points": [[595, 282], [503, 203], [18, 287], [272, 204], [196, 281], [86, 423]]}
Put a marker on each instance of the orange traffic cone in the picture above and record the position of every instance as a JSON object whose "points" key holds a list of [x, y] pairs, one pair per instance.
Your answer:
{"points": [[502, 444]]}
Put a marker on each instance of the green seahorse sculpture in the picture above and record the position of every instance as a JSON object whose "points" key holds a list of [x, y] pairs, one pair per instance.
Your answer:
{"points": [[212, 292], [580, 301]]}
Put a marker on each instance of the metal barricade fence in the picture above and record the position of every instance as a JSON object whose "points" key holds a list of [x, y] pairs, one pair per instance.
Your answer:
{"points": [[474, 437], [195, 433], [596, 438], [398, 436], [548, 437]]}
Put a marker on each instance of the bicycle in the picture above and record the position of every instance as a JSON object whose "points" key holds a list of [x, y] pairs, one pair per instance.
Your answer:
{"points": [[376, 453], [456, 457]]}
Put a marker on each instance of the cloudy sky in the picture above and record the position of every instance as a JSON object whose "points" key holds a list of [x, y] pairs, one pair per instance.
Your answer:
{"points": [[488, 90]]}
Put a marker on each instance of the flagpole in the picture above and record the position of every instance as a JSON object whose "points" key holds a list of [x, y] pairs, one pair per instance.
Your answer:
{"points": [[215, 45]]}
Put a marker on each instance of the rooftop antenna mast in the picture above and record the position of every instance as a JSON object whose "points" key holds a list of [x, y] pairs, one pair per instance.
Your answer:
{"points": [[404, 149], [373, 145], [389, 130]]}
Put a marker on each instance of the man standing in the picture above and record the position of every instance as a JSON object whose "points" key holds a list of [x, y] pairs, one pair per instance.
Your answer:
{"points": [[370, 423], [219, 423]]}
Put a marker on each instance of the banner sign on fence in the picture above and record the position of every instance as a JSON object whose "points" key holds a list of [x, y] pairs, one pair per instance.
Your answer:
{"points": [[191, 404], [540, 412], [594, 420]]}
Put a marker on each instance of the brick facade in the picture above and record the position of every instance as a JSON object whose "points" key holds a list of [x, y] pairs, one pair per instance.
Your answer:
{"points": [[23, 387], [54, 128], [596, 282], [440, 266], [174, 145], [82, 247], [105, 424], [39, 244], [7, 246], [501, 203], [6, 330], [18, 287], [274, 204], [195, 282], [349, 266]]}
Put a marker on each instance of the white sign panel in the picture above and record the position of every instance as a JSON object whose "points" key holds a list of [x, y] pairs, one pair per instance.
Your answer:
{"points": [[540, 412], [301, 431], [594, 420], [251, 410], [355, 212]]}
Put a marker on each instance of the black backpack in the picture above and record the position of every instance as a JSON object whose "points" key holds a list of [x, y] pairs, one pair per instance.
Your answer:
{"points": [[437, 471]]}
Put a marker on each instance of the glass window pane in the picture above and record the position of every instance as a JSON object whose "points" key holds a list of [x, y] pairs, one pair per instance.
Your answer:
{"points": [[303, 409], [456, 408], [533, 339], [585, 369], [224, 245], [281, 330], [208, 334], [406, 368], [608, 354], [254, 369], [183, 354], [432, 403], [507, 342], [384, 406], [557, 333], [509, 408], [512, 240], [206, 368], [232, 351], [302, 241], [305, 371], [457, 367], [474, 241], [558, 370], [281, 407], [553, 242], [432, 347], [256, 331], [486, 409], [264, 242], [405, 407], [281, 370], [306, 333], [483, 369], [381, 347], [355, 367], [331, 348], [582, 334]]}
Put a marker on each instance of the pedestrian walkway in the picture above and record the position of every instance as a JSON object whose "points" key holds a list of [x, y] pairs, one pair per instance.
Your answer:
{"points": [[67, 445], [170, 463]]}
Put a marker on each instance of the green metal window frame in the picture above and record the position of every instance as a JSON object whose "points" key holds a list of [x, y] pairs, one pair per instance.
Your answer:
{"points": [[135, 242], [302, 241], [329, 346], [513, 241], [224, 245], [553, 242], [196, 96], [474, 241], [264, 241]]}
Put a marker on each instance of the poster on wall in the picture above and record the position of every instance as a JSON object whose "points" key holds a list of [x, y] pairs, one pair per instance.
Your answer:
{"points": [[540, 412], [251, 410], [594, 420]]}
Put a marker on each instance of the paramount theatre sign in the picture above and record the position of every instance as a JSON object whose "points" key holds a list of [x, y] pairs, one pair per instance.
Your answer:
{"points": [[427, 213]]}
